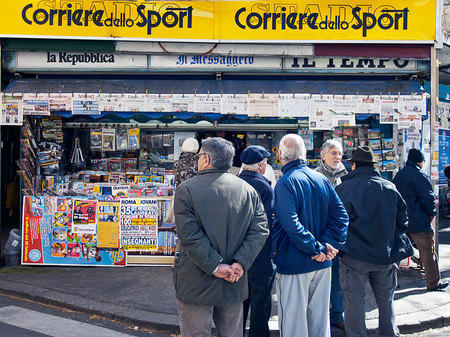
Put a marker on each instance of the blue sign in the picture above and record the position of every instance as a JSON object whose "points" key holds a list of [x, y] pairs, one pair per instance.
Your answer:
{"points": [[444, 154]]}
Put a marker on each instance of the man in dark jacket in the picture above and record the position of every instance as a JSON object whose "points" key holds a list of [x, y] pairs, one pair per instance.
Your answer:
{"points": [[416, 189], [221, 226], [261, 274], [310, 224], [376, 240]]}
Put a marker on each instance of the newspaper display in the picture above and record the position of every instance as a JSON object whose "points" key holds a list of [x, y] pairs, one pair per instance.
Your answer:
{"points": [[12, 109], [133, 102], [388, 111], [36, 104], [85, 104], [410, 121], [158, 103], [368, 104], [60, 102], [110, 102], [207, 103], [412, 105], [293, 105], [320, 115], [263, 105], [234, 104], [182, 103]]}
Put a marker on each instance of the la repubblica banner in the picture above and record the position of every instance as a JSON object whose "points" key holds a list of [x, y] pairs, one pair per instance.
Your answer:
{"points": [[223, 21]]}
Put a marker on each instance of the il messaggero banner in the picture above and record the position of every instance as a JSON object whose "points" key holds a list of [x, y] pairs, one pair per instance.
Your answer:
{"points": [[332, 20]]}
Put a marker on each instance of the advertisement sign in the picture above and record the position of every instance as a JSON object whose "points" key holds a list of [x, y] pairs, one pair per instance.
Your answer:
{"points": [[50, 236], [444, 154], [323, 20]]}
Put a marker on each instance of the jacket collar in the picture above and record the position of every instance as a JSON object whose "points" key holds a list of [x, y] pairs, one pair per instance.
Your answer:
{"points": [[339, 171], [364, 170], [254, 174], [212, 170], [413, 164], [292, 164]]}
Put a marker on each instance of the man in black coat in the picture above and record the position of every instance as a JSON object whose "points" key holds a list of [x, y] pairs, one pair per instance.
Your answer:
{"points": [[376, 240], [416, 189], [261, 274]]}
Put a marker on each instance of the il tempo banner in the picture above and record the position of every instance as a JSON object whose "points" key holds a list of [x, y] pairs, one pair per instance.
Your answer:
{"points": [[320, 20]]}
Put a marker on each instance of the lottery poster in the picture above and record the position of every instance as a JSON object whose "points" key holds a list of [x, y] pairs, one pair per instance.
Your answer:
{"points": [[139, 224], [48, 236]]}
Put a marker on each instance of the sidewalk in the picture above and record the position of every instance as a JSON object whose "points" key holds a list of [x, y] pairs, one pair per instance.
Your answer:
{"points": [[145, 296]]}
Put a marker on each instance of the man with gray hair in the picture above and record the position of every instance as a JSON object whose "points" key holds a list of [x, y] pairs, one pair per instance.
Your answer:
{"points": [[221, 227], [310, 225], [332, 167]]}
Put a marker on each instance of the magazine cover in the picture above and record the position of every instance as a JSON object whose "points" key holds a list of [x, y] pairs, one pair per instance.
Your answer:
{"points": [[133, 138], [108, 139], [96, 139], [122, 139]]}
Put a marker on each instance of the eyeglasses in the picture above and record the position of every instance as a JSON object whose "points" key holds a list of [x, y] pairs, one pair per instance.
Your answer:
{"points": [[198, 155]]}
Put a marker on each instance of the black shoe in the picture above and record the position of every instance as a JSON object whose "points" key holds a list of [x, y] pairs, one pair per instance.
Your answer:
{"points": [[441, 285], [340, 325]]}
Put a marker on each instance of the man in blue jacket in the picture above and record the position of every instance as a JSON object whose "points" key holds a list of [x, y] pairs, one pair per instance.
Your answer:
{"points": [[310, 224], [376, 240], [416, 189], [261, 274]]}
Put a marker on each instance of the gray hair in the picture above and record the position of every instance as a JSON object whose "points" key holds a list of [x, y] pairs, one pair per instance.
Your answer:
{"points": [[253, 167], [219, 151], [292, 147], [326, 147]]}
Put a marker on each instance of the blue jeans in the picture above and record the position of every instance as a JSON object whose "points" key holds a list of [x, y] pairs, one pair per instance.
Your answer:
{"points": [[383, 281], [336, 295]]}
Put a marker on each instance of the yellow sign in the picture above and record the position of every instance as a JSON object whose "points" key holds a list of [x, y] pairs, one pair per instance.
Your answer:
{"points": [[240, 21]]}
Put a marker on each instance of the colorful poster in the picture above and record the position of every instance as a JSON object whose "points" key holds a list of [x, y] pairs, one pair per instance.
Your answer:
{"points": [[84, 218], [12, 109], [138, 224], [48, 237], [108, 224]]}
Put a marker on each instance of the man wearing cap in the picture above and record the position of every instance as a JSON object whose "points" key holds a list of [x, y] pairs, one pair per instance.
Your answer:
{"points": [[221, 226], [261, 274], [310, 224], [416, 189], [331, 166], [376, 240]]}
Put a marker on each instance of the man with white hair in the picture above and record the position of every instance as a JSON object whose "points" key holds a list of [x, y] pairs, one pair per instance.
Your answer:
{"points": [[331, 166], [310, 225], [261, 274]]}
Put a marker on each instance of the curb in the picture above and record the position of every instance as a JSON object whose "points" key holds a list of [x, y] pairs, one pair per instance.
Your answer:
{"points": [[162, 322]]}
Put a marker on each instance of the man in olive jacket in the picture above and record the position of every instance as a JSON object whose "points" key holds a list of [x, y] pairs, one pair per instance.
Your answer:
{"points": [[221, 226]]}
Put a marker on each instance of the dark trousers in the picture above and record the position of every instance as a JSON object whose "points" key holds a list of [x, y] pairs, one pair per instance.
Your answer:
{"points": [[337, 295], [383, 281], [260, 301], [428, 257]]}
